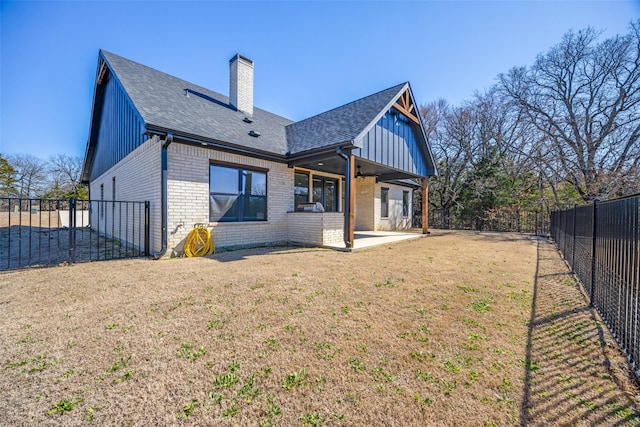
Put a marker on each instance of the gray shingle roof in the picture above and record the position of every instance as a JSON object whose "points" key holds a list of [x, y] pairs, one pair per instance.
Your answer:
{"points": [[342, 124], [161, 101]]}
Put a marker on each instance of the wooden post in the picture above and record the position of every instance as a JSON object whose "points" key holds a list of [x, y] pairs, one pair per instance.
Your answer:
{"points": [[352, 197], [425, 206]]}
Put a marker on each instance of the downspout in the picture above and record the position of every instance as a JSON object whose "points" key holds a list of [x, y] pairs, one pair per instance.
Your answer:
{"points": [[164, 162], [347, 197]]}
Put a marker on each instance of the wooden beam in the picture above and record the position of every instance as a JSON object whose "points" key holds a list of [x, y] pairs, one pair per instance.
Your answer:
{"points": [[425, 206], [406, 113], [403, 101], [352, 198], [102, 72]]}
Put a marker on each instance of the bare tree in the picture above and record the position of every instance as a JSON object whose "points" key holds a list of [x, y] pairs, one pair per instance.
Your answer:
{"points": [[584, 99], [451, 156], [65, 171], [30, 176]]}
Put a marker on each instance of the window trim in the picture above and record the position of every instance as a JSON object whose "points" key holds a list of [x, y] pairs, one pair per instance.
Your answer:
{"points": [[405, 203], [340, 187], [239, 168], [384, 203], [309, 187], [324, 179]]}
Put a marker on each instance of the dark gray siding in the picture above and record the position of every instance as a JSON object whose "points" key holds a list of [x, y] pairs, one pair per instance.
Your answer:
{"points": [[396, 142], [121, 128]]}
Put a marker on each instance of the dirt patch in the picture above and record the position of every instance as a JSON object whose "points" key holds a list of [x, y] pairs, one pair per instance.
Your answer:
{"points": [[40, 219], [25, 246], [431, 331]]}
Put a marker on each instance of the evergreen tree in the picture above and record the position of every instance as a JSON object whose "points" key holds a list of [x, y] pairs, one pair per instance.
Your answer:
{"points": [[7, 178]]}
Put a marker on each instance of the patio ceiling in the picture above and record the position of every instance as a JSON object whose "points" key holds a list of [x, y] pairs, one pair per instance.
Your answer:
{"points": [[334, 164]]}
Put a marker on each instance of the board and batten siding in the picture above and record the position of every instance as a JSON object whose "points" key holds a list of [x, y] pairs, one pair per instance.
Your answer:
{"points": [[394, 142], [121, 129]]}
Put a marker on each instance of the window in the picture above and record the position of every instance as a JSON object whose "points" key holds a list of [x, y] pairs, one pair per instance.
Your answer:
{"points": [[405, 204], [300, 189], [325, 191], [101, 200], [237, 194], [113, 195], [384, 202]]}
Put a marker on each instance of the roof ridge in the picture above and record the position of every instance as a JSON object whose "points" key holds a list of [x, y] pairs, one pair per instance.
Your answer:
{"points": [[194, 86], [349, 103]]}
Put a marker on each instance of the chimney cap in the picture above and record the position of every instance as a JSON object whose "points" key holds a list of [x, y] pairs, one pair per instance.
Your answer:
{"points": [[238, 57]]}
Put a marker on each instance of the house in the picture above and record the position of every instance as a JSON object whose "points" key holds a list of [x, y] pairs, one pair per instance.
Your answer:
{"points": [[253, 177]]}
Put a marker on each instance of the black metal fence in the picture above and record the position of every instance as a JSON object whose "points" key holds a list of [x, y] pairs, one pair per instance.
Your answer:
{"points": [[601, 244], [533, 222], [45, 232]]}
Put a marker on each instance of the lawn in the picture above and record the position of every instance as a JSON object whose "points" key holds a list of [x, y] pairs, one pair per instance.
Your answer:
{"points": [[434, 331]]}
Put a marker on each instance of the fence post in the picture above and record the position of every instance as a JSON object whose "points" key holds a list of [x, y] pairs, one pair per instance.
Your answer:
{"points": [[593, 252], [146, 228], [72, 230], [573, 234]]}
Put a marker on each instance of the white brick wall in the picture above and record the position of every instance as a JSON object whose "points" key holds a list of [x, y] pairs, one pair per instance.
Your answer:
{"points": [[316, 228], [365, 197], [395, 221], [333, 228], [188, 199], [137, 178]]}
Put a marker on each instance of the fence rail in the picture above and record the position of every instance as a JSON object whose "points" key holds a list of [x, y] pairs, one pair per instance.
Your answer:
{"points": [[533, 222], [45, 232], [601, 245]]}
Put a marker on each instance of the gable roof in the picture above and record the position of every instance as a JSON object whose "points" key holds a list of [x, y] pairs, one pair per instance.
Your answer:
{"points": [[195, 114], [342, 124], [162, 101]]}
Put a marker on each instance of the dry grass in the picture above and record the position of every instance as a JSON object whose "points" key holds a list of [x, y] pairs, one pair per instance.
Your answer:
{"points": [[427, 332]]}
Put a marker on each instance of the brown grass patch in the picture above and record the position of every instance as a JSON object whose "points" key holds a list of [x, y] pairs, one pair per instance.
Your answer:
{"points": [[426, 332]]}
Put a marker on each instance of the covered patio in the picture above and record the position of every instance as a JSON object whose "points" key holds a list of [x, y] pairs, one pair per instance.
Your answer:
{"points": [[374, 153], [369, 239]]}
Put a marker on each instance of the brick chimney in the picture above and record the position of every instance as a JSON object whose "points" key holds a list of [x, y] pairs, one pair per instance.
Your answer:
{"points": [[241, 84]]}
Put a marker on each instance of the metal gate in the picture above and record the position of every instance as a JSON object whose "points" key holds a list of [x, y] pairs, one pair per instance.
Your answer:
{"points": [[46, 232]]}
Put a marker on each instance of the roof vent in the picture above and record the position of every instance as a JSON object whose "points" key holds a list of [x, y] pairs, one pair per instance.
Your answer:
{"points": [[254, 133], [247, 120]]}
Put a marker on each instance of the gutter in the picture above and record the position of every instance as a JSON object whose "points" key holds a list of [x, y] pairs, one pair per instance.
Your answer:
{"points": [[219, 145], [163, 194], [347, 197]]}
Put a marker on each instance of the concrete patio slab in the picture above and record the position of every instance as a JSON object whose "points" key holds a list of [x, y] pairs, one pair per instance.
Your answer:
{"points": [[368, 239]]}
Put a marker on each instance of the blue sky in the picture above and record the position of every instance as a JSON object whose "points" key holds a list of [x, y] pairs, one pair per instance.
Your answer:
{"points": [[309, 56]]}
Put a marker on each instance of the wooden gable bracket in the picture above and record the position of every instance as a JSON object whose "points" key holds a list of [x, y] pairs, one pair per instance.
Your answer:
{"points": [[406, 107], [102, 72]]}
